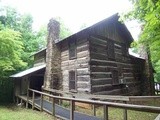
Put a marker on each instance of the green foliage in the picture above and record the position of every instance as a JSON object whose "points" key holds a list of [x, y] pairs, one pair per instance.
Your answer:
{"points": [[147, 12], [11, 48], [64, 30]]}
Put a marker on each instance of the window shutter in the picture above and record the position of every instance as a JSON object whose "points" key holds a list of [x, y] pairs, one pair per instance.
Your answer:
{"points": [[72, 80], [115, 79], [72, 49], [110, 49]]}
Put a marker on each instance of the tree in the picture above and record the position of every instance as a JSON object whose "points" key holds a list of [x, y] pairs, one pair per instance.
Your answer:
{"points": [[64, 30], [11, 48], [147, 12]]}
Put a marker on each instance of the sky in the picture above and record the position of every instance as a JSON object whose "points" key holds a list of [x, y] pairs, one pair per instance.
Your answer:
{"points": [[74, 13]]}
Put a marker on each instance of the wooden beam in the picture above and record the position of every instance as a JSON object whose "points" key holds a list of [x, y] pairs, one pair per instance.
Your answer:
{"points": [[33, 97], [41, 102], [72, 107], [125, 112], [27, 98], [53, 106], [105, 108], [94, 110]]}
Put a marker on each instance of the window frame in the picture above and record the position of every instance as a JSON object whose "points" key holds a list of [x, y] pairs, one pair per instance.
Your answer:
{"points": [[110, 49], [75, 81], [74, 47], [115, 77]]}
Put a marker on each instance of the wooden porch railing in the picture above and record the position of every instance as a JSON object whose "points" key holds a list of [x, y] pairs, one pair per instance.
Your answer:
{"points": [[105, 105]]}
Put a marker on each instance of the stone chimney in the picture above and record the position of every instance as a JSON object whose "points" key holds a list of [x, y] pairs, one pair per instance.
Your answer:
{"points": [[52, 79]]}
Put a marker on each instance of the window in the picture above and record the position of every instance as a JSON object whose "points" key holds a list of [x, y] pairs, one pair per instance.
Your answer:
{"points": [[72, 80], [115, 79], [72, 49], [110, 49]]}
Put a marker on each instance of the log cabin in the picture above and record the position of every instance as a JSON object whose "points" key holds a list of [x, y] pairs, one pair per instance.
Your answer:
{"points": [[94, 60]]}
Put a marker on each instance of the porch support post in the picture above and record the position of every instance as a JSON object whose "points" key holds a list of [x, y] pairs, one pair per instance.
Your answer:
{"points": [[53, 107], [72, 107], [94, 110], [105, 108], [33, 97], [27, 98], [125, 112], [41, 102]]}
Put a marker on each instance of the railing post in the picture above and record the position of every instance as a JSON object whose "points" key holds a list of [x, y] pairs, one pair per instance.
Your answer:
{"points": [[72, 107], [41, 102], [105, 108], [125, 112], [21, 102], [53, 106], [27, 98], [94, 110], [33, 96]]}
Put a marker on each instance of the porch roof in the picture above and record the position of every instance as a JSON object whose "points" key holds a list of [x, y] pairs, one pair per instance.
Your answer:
{"points": [[28, 71]]}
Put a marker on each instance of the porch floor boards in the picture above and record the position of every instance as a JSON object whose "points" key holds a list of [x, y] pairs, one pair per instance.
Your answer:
{"points": [[60, 111]]}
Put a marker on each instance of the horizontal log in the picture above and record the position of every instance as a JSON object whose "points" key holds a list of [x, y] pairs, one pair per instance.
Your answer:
{"points": [[98, 88], [128, 75], [97, 76], [81, 41], [83, 78], [99, 69], [97, 41], [83, 71], [101, 81], [65, 53], [64, 58], [99, 56], [84, 90], [118, 51], [83, 54], [83, 85], [110, 92], [117, 46], [98, 50], [103, 62], [85, 47]]}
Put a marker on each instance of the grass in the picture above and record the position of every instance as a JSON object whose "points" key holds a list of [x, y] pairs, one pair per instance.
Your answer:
{"points": [[117, 114], [12, 112]]}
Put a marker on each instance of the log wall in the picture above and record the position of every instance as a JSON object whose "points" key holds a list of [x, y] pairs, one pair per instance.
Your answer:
{"points": [[101, 66], [40, 58], [80, 65]]}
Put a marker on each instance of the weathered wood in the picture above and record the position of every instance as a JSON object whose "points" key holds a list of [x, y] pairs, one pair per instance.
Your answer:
{"points": [[99, 56], [105, 112], [41, 102], [27, 99], [53, 106], [125, 112], [101, 81], [82, 48], [33, 98], [97, 75], [143, 108], [110, 92], [83, 78], [98, 41], [94, 110], [83, 71], [72, 107], [98, 88]]}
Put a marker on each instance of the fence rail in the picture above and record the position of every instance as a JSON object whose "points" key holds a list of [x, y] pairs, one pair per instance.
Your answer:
{"points": [[105, 105]]}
